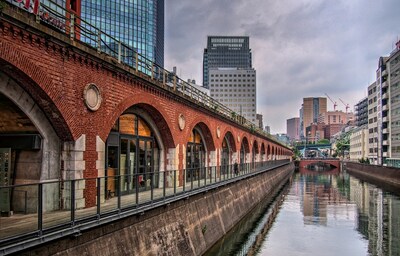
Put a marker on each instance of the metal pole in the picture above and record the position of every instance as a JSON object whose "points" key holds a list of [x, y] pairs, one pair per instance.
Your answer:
{"points": [[72, 202], [40, 209], [98, 197]]}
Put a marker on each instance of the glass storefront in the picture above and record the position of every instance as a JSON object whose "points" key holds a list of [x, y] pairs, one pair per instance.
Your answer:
{"points": [[132, 153], [195, 157]]}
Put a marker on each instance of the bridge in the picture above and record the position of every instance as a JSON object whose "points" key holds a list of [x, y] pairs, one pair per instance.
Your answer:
{"points": [[319, 163], [315, 150], [92, 132]]}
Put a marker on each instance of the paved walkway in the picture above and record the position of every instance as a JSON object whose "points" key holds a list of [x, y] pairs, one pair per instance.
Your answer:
{"points": [[19, 224]]}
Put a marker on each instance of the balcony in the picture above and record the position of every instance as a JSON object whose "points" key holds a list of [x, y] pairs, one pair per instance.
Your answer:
{"points": [[385, 143], [385, 131], [385, 154], [385, 119], [384, 72], [385, 95], [385, 84], [385, 107]]}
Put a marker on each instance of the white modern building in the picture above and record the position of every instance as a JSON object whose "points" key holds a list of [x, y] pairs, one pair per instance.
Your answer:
{"points": [[236, 89], [393, 124], [359, 143], [373, 142]]}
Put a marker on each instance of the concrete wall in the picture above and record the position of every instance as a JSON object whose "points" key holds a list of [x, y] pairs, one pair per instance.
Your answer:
{"points": [[380, 175], [186, 227]]}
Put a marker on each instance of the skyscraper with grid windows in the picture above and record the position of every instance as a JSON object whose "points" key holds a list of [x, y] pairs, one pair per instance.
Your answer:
{"points": [[139, 23], [226, 52]]}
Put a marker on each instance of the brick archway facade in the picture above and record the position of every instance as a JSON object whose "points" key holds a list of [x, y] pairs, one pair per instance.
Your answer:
{"points": [[57, 80]]}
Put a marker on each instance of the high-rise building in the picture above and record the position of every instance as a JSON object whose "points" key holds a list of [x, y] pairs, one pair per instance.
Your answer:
{"points": [[373, 144], [293, 128], [361, 112], [393, 115], [311, 109], [259, 118], [226, 52], [383, 122], [138, 24], [236, 89], [335, 117]]}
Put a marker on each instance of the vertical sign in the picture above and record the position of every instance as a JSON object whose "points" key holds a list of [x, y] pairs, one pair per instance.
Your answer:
{"points": [[5, 180]]}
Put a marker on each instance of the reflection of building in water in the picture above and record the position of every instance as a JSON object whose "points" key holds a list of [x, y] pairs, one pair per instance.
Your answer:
{"points": [[318, 192], [378, 218], [359, 194]]}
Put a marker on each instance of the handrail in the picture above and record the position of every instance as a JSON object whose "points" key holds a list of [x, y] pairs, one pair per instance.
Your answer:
{"points": [[44, 224], [70, 23]]}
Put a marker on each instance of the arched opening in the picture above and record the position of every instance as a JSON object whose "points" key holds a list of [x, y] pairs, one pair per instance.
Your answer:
{"points": [[195, 156], [244, 149], [228, 145], [254, 154], [29, 151], [262, 152], [133, 155]]}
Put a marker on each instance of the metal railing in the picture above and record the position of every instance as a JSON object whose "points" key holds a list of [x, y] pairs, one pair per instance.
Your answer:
{"points": [[65, 21], [57, 208]]}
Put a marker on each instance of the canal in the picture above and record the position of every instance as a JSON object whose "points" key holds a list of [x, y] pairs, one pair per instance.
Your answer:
{"points": [[331, 213]]}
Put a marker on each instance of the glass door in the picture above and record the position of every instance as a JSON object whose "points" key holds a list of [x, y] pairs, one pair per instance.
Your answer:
{"points": [[127, 168]]}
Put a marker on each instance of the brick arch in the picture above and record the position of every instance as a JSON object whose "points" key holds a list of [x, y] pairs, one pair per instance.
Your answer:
{"points": [[262, 148], [207, 136], [256, 146], [156, 113], [228, 132], [205, 127], [34, 80], [246, 144]]}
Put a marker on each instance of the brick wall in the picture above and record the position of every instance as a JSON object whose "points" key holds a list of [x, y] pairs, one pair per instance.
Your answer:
{"points": [[55, 71]]}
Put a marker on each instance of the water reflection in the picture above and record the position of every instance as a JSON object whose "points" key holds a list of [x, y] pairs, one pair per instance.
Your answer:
{"points": [[324, 214]]}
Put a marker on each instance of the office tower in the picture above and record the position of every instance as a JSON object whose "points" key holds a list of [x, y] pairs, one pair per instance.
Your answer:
{"points": [[336, 117], [383, 109], [361, 112], [226, 52], [373, 143], [138, 24], [293, 128], [259, 118], [312, 108], [236, 89], [393, 109]]}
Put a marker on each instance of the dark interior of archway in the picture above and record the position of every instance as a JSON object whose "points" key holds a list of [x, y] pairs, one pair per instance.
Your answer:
{"points": [[13, 120]]}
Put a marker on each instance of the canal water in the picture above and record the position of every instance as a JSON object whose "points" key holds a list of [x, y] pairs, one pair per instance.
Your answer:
{"points": [[319, 213]]}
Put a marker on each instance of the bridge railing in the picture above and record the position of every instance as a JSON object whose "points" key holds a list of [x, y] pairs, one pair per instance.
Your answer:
{"points": [[57, 208], [59, 18]]}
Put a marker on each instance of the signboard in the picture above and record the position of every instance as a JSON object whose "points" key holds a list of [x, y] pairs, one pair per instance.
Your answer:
{"points": [[5, 180], [34, 6]]}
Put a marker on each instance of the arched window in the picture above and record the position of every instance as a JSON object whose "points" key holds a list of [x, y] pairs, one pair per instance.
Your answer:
{"points": [[195, 157], [133, 153], [225, 156], [242, 157], [253, 156]]}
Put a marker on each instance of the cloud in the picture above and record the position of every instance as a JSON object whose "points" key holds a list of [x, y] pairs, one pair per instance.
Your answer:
{"points": [[301, 48]]}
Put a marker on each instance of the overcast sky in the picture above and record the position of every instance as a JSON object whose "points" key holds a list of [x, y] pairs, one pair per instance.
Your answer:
{"points": [[301, 48]]}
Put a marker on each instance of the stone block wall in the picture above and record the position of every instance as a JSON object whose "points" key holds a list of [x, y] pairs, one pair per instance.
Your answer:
{"points": [[186, 227]]}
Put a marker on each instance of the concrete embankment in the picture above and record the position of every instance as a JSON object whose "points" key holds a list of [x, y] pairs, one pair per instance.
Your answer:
{"points": [[186, 227], [389, 177]]}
